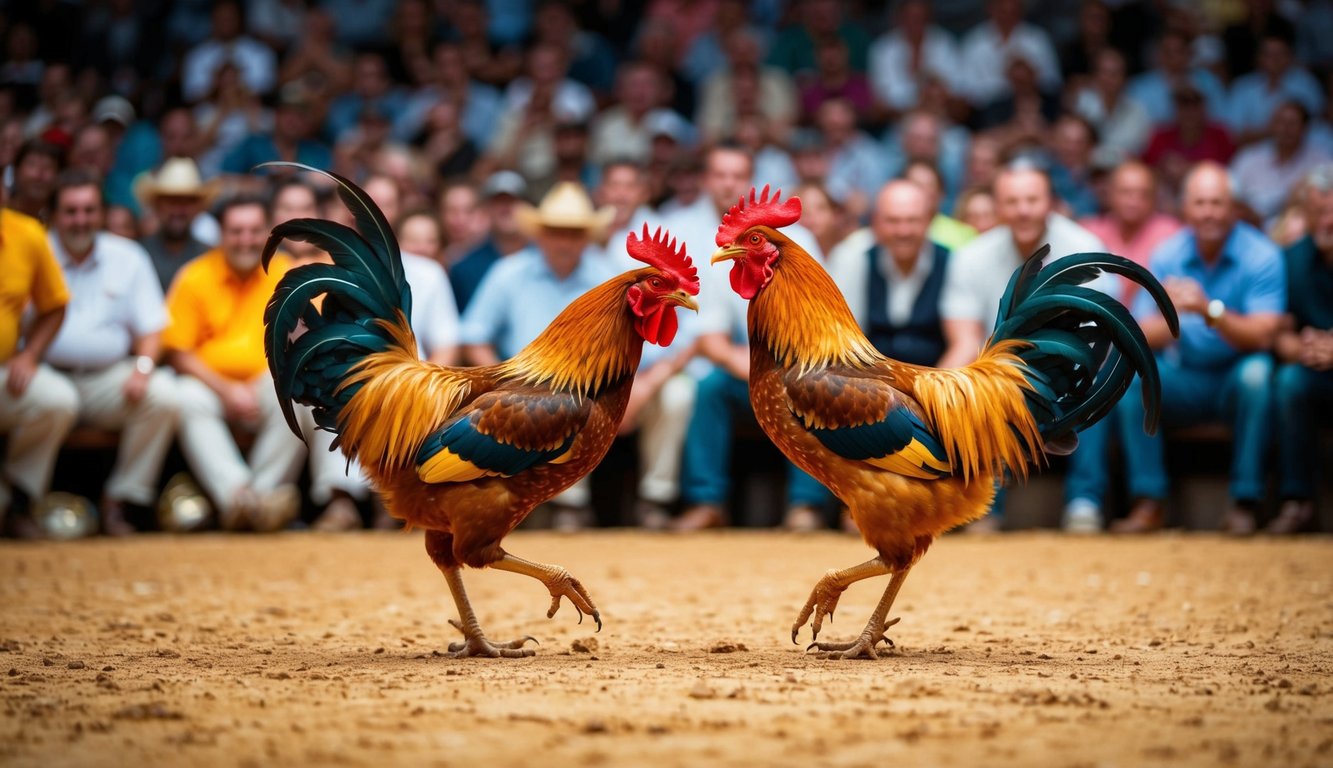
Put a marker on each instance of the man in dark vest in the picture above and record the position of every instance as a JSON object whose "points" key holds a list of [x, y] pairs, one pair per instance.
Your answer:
{"points": [[893, 286]]}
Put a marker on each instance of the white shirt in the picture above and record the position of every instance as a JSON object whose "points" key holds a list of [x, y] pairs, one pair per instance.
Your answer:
{"points": [[434, 311], [891, 74], [851, 271], [985, 60], [979, 272], [115, 298], [256, 62], [1263, 182]]}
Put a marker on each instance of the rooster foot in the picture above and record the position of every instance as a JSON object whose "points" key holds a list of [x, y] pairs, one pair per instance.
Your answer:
{"points": [[862, 647], [478, 645], [822, 603], [563, 585]]}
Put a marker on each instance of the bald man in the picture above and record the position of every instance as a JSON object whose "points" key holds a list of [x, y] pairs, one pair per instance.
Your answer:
{"points": [[894, 286], [1228, 282], [1132, 227]]}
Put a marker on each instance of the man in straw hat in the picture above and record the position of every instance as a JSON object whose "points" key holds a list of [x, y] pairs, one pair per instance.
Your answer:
{"points": [[523, 293], [176, 194]]}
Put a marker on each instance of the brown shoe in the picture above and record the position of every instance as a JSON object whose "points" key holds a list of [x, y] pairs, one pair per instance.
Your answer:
{"points": [[1238, 521], [1144, 517], [803, 518], [652, 515], [700, 517], [113, 519], [341, 514], [1295, 516]]}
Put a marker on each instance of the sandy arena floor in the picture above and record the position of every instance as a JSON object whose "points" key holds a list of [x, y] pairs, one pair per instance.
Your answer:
{"points": [[1023, 650]]}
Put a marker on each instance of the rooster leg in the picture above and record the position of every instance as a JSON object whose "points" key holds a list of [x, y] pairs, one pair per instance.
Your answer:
{"points": [[474, 642], [558, 581], [874, 631], [824, 598]]}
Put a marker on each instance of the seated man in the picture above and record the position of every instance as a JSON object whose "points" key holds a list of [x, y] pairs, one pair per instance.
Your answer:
{"points": [[108, 347], [215, 341], [1304, 349], [1227, 281], [37, 407]]}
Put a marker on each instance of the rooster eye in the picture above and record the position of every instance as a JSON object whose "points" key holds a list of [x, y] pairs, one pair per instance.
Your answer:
{"points": [[754, 238], [655, 282]]}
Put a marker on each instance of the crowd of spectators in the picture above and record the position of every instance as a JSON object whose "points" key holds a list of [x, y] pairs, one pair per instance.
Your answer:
{"points": [[514, 144]]}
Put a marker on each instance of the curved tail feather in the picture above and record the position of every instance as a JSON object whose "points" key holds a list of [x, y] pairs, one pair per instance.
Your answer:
{"points": [[1081, 347], [311, 348]]}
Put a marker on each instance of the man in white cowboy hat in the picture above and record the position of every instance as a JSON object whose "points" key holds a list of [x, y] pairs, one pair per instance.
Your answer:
{"points": [[176, 194], [523, 293]]}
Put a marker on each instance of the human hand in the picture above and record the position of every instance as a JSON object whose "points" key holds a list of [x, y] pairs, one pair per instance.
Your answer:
{"points": [[1186, 294], [240, 402], [1317, 349], [22, 369], [136, 386]]}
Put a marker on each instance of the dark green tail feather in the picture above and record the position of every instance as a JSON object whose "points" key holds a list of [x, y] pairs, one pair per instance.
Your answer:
{"points": [[365, 284], [1084, 347]]}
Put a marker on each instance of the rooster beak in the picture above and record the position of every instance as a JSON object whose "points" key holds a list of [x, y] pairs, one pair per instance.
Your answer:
{"points": [[727, 253], [683, 299]]}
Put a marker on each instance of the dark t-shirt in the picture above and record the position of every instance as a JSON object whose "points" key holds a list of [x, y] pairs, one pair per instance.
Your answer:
{"points": [[1309, 285]]}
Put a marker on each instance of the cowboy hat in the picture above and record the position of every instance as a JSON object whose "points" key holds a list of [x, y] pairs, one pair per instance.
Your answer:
{"points": [[566, 206], [178, 177]]}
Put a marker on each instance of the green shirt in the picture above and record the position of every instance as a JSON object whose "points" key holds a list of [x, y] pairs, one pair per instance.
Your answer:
{"points": [[1309, 285], [949, 232]]}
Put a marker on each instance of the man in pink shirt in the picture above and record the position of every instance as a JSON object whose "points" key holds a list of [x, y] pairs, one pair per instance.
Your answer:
{"points": [[1132, 228]]}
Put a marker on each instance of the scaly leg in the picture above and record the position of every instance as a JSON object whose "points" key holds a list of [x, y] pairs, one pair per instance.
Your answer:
{"points": [[873, 634], [558, 581], [824, 598], [474, 642]]}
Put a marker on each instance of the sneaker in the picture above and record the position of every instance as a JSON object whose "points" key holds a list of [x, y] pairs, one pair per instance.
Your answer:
{"points": [[802, 518], [1082, 516], [239, 512], [341, 514], [570, 519], [1296, 515], [1239, 521], [652, 516]]}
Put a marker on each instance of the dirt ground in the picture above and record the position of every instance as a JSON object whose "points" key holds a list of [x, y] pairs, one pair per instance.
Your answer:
{"points": [[1026, 649]]}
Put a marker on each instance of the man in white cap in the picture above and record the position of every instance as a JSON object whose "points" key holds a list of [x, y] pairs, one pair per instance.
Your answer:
{"points": [[176, 194], [523, 293]]}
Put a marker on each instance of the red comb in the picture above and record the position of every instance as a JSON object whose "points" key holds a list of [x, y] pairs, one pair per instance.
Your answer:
{"points": [[764, 210], [660, 250]]}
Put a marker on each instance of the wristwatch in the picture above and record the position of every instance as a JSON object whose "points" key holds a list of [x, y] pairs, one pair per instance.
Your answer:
{"points": [[1214, 312], [144, 364]]}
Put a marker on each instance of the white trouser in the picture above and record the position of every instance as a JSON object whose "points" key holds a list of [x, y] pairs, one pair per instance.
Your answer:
{"points": [[662, 424], [36, 424], [214, 458], [329, 470], [145, 427]]}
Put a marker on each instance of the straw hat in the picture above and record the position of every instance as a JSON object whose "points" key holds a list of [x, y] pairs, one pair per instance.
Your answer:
{"points": [[566, 206], [178, 177]]}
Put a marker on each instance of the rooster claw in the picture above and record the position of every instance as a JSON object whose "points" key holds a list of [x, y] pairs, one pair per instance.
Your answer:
{"points": [[477, 645], [564, 585]]}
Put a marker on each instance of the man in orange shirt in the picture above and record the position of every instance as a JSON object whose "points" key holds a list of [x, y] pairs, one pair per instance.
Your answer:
{"points": [[215, 340], [37, 406]]}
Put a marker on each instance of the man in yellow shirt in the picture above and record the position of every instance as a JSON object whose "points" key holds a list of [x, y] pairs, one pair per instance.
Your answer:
{"points": [[37, 406], [215, 340]]}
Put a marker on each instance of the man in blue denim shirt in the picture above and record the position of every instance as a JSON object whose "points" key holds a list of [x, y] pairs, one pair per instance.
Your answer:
{"points": [[1228, 282]]}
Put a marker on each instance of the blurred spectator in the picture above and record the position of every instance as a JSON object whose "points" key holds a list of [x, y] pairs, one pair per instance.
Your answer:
{"points": [[278, 23], [37, 406], [942, 228], [35, 169], [988, 50], [680, 185], [1265, 173], [1024, 110], [411, 34], [55, 87], [1277, 78], [591, 59], [445, 148], [983, 162], [228, 44], [292, 139], [1192, 139], [1227, 282], [912, 50], [772, 163], [1123, 125], [502, 193], [464, 222], [491, 61], [824, 216], [419, 232], [657, 45], [1078, 54], [175, 195], [976, 208], [1303, 387], [92, 150], [745, 86], [624, 189], [145, 146], [108, 347], [1156, 88], [569, 147], [360, 23], [122, 221], [371, 92], [521, 295], [1132, 227], [623, 129], [1314, 35], [706, 53], [230, 114], [478, 106], [796, 47], [1072, 142], [317, 63], [534, 104], [215, 341], [833, 78], [122, 42], [294, 198], [722, 397], [1243, 41], [856, 164], [23, 66]]}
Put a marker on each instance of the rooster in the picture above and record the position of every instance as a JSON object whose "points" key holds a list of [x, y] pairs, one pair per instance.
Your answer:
{"points": [[915, 451], [465, 453]]}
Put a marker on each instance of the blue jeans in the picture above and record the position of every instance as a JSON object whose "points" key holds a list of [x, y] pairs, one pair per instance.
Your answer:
{"points": [[706, 463], [1089, 465], [1240, 395], [1297, 389]]}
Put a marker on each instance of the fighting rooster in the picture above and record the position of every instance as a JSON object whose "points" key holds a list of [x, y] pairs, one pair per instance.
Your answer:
{"points": [[465, 453], [914, 451]]}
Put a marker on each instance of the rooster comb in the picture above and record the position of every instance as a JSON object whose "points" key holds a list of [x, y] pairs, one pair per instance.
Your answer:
{"points": [[758, 210], [660, 250]]}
